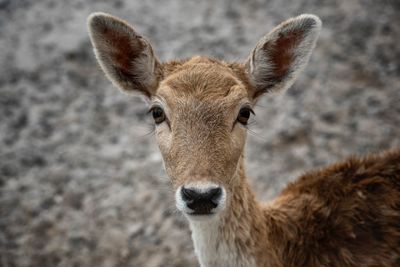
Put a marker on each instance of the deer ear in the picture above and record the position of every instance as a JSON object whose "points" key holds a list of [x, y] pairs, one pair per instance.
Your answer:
{"points": [[280, 56], [126, 58]]}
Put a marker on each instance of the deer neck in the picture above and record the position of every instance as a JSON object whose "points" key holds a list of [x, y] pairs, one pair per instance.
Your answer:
{"points": [[231, 238]]}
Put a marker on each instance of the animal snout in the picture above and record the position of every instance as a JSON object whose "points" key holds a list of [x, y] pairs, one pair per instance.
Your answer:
{"points": [[201, 202]]}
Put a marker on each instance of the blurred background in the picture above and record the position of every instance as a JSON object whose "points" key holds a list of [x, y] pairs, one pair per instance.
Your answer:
{"points": [[81, 179]]}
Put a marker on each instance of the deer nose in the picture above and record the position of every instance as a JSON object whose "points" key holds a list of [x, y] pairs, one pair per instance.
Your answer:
{"points": [[201, 202]]}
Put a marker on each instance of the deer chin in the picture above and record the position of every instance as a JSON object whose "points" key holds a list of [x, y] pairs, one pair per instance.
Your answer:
{"points": [[202, 218]]}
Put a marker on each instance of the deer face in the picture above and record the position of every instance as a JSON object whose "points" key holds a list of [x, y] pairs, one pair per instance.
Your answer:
{"points": [[201, 112], [201, 106]]}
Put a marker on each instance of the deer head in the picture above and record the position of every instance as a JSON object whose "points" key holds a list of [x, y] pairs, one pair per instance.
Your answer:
{"points": [[201, 106]]}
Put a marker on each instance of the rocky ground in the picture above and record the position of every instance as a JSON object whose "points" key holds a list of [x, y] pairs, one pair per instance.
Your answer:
{"points": [[81, 181]]}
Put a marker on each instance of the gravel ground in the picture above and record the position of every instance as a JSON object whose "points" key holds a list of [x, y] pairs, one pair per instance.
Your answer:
{"points": [[81, 180]]}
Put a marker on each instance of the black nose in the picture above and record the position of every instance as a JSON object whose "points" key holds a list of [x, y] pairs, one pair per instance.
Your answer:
{"points": [[201, 202]]}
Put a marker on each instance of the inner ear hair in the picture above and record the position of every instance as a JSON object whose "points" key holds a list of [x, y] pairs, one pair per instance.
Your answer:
{"points": [[280, 56], [126, 57]]}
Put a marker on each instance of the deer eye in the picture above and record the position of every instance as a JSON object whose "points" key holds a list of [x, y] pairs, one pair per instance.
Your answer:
{"points": [[244, 115], [158, 114]]}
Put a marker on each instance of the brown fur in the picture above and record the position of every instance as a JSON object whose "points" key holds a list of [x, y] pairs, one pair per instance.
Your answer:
{"points": [[347, 214]]}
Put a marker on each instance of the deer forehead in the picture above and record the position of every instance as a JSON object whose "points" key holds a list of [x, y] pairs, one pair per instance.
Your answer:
{"points": [[202, 85]]}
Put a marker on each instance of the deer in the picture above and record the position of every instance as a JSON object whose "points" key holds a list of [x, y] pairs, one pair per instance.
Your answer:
{"points": [[344, 214]]}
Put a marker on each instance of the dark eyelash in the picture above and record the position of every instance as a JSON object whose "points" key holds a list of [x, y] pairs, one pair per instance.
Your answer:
{"points": [[250, 109], [152, 108]]}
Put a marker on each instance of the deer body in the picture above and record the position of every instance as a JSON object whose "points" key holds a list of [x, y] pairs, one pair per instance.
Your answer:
{"points": [[347, 214]]}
